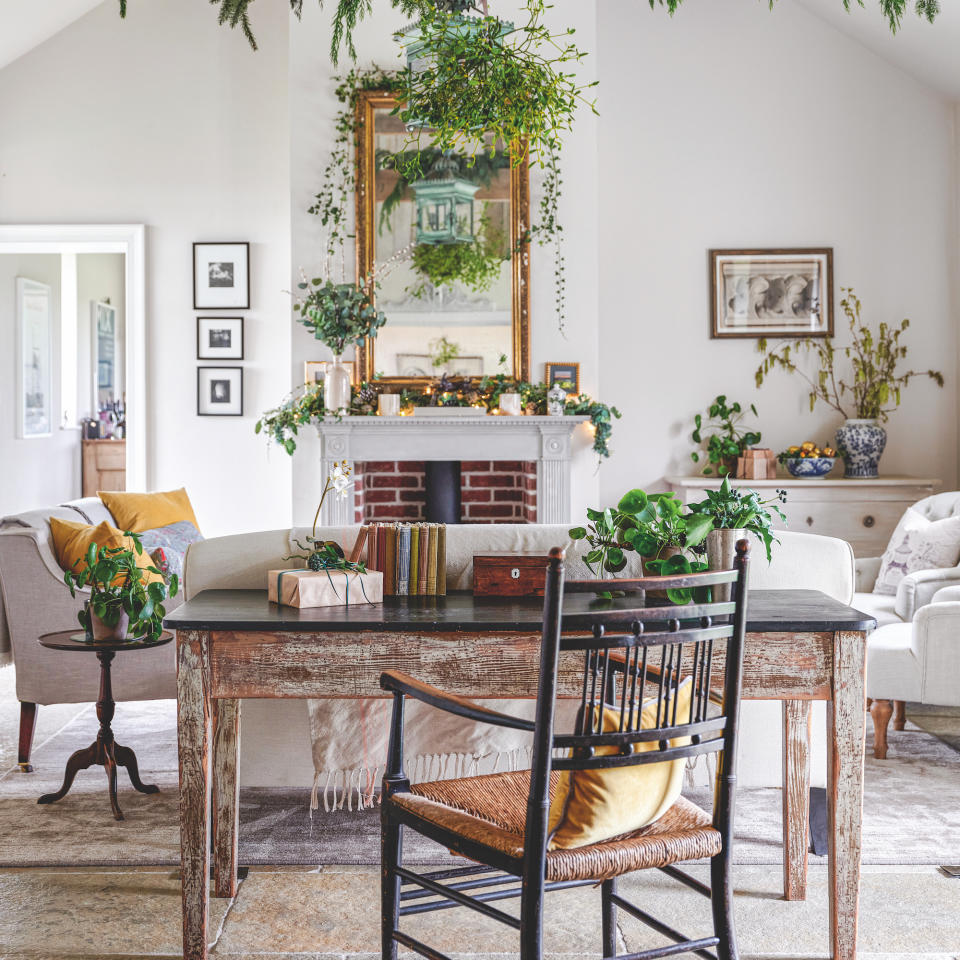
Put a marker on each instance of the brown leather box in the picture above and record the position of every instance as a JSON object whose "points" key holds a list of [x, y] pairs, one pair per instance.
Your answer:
{"points": [[509, 575]]}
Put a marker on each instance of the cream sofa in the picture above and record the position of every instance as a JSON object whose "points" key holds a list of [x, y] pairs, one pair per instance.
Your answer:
{"points": [[35, 601], [276, 734]]}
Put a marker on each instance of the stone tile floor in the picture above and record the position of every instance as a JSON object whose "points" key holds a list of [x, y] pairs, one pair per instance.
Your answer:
{"points": [[907, 913]]}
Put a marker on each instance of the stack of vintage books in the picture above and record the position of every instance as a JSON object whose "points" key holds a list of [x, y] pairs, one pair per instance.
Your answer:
{"points": [[411, 556]]}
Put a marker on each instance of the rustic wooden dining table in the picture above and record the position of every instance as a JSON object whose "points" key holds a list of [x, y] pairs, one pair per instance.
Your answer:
{"points": [[801, 646]]}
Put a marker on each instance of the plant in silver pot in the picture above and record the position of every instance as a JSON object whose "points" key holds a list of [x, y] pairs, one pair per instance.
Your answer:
{"points": [[872, 393], [733, 513], [124, 604]]}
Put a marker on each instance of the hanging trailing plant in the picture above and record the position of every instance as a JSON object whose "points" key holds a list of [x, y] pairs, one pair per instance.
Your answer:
{"points": [[349, 13], [476, 265]]}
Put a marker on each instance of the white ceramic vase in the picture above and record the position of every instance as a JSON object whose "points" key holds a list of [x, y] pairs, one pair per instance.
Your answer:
{"points": [[336, 387]]}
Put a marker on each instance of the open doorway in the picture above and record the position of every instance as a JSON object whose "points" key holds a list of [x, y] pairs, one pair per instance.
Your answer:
{"points": [[72, 321]]}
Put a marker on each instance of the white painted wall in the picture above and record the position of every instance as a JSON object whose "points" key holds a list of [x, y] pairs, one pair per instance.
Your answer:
{"points": [[170, 120], [313, 107], [728, 126], [47, 468]]}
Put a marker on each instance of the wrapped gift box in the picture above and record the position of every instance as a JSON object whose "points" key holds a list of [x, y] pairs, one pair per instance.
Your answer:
{"points": [[324, 588]]}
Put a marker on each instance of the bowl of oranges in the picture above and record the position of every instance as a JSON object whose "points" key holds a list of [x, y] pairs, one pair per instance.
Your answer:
{"points": [[808, 461]]}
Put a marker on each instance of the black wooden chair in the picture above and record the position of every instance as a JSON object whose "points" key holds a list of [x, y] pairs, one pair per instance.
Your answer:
{"points": [[500, 820]]}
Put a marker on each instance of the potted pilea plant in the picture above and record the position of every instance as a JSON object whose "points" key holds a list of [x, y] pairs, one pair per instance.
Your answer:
{"points": [[870, 395], [726, 440], [122, 605]]}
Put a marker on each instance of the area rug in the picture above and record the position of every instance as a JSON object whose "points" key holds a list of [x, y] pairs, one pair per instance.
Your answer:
{"points": [[911, 809]]}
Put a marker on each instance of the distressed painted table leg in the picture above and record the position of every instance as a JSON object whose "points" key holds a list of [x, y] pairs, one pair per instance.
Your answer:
{"points": [[225, 796], [846, 734], [796, 797], [193, 738]]}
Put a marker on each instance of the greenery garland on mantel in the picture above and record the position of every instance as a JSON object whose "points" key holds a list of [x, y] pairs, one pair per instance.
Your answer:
{"points": [[305, 406], [236, 13]]}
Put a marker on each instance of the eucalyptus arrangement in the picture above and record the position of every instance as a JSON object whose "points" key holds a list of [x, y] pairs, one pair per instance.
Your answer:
{"points": [[122, 604], [338, 314], [870, 392], [726, 440]]}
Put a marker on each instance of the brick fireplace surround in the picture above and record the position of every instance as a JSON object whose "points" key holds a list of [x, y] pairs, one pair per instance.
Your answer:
{"points": [[492, 491]]}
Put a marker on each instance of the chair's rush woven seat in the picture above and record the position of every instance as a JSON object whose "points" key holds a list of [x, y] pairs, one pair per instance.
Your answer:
{"points": [[491, 810]]}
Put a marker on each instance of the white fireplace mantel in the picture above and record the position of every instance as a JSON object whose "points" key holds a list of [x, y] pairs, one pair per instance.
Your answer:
{"points": [[545, 440]]}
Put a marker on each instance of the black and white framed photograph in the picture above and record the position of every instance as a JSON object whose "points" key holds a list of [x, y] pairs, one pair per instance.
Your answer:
{"points": [[772, 293], [566, 374], [221, 276], [35, 360], [219, 338], [220, 391]]}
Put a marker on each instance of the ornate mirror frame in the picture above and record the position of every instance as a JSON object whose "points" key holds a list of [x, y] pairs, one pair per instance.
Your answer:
{"points": [[367, 102]]}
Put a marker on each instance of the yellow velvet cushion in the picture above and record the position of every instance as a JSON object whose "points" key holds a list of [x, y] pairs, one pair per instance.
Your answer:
{"points": [[593, 805], [71, 541], [147, 511]]}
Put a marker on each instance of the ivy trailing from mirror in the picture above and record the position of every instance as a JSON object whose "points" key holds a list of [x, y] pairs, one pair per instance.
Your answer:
{"points": [[334, 200]]}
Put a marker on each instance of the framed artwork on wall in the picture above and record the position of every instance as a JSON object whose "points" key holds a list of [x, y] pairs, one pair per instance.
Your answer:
{"points": [[314, 371], [219, 338], [219, 391], [772, 293], [221, 276], [34, 359], [103, 324], [566, 374]]}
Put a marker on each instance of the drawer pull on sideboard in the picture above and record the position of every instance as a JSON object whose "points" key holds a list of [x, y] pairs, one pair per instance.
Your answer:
{"points": [[868, 521], [809, 521]]}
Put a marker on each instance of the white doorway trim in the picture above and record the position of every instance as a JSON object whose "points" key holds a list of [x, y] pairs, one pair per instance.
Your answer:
{"points": [[129, 239]]}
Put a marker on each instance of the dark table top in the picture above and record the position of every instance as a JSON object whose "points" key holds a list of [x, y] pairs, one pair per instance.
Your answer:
{"points": [[72, 641], [768, 611]]}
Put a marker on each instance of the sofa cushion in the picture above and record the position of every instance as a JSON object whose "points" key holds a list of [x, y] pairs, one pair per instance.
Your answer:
{"points": [[91, 509], [893, 669], [72, 541], [138, 512], [918, 544], [172, 541], [877, 605]]}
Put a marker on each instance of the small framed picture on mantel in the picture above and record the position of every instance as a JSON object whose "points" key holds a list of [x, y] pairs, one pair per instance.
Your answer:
{"points": [[771, 293], [566, 374], [221, 276]]}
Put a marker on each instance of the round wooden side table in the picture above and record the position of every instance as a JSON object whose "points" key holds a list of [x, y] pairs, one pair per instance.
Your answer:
{"points": [[104, 751]]}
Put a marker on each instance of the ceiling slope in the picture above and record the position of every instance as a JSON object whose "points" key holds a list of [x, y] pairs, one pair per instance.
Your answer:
{"points": [[26, 23]]}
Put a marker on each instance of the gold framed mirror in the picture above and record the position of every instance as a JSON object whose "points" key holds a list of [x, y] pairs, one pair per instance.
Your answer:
{"points": [[461, 299]]}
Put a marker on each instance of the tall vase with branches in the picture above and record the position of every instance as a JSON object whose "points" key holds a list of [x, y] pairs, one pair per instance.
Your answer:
{"points": [[867, 395]]}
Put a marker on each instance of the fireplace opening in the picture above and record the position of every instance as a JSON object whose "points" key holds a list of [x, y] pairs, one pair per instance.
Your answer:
{"points": [[446, 491]]}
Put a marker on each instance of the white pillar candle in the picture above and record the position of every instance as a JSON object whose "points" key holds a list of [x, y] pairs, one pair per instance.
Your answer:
{"points": [[510, 404], [388, 404]]}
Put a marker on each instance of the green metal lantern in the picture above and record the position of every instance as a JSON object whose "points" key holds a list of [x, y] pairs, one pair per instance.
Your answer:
{"points": [[444, 205]]}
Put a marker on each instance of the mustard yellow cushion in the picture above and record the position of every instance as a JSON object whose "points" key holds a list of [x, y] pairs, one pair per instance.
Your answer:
{"points": [[71, 541], [147, 511], [594, 805]]}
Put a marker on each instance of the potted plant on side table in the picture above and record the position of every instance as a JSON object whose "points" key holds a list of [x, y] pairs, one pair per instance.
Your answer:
{"points": [[873, 391], [126, 597], [726, 440]]}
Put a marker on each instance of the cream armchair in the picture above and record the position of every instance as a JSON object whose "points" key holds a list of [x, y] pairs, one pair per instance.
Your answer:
{"points": [[918, 661]]}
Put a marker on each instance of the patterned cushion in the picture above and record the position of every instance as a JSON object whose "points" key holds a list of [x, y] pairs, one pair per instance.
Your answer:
{"points": [[168, 545], [918, 544]]}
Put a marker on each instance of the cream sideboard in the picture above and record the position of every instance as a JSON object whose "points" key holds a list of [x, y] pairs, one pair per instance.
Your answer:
{"points": [[862, 512]]}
